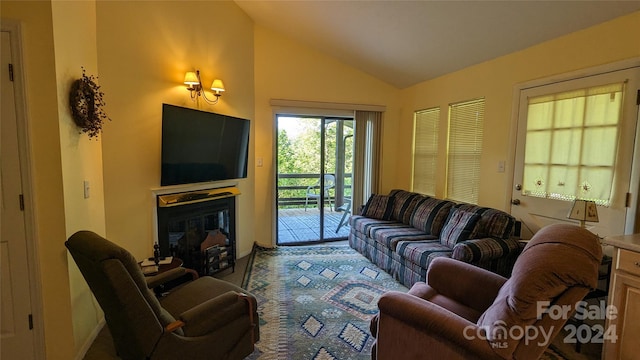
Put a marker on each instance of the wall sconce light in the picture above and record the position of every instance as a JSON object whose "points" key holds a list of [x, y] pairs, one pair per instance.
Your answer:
{"points": [[192, 80], [583, 210]]}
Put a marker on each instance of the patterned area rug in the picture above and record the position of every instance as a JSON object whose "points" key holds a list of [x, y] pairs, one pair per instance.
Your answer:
{"points": [[315, 302]]}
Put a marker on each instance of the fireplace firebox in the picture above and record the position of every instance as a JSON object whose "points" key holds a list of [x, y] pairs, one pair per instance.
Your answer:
{"points": [[199, 228]]}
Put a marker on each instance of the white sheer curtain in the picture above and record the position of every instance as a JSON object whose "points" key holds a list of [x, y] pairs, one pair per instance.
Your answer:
{"points": [[571, 144], [366, 172]]}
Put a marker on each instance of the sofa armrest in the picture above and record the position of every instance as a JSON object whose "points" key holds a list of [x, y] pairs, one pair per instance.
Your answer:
{"points": [[485, 249], [417, 328], [465, 283], [216, 313]]}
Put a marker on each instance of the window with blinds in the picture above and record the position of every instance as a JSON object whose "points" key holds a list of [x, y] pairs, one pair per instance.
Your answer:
{"points": [[571, 144], [465, 148], [425, 150]]}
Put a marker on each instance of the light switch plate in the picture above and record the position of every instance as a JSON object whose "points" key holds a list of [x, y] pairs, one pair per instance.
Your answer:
{"points": [[501, 166]]}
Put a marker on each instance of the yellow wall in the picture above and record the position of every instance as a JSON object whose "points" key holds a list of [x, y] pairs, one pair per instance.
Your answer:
{"points": [[42, 102], [144, 50], [288, 70], [74, 29], [495, 81]]}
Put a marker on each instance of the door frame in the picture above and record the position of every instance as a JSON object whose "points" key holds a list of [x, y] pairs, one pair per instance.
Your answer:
{"points": [[634, 184], [312, 108], [323, 119], [14, 28]]}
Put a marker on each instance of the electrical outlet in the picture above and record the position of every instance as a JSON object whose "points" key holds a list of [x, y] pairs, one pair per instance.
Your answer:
{"points": [[259, 162]]}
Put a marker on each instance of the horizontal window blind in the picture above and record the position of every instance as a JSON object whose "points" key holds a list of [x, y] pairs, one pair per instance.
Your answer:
{"points": [[465, 148], [425, 150]]}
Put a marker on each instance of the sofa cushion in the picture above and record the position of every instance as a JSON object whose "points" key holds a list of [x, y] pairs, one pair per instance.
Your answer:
{"points": [[404, 204], [430, 215], [378, 207], [390, 236], [421, 252], [493, 223], [458, 227], [363, 224]]}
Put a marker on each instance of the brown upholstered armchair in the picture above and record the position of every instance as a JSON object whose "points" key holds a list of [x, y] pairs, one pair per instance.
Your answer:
{"points": [[464, 312], [203, 319]]}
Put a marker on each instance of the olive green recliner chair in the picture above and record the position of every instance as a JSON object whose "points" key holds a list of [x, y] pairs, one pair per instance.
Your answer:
{"points": [[203, 319]]}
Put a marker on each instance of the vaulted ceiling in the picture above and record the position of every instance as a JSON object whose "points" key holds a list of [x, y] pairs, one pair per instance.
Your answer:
{"points": [[407, 42]]}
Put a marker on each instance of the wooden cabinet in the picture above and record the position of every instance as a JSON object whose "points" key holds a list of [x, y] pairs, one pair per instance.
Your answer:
{"points": [[624, 295]]}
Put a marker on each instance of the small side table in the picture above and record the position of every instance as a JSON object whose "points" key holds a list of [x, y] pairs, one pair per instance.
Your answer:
{"points": [[151, 270], [175, 263], [167, 275], [604, 273]]}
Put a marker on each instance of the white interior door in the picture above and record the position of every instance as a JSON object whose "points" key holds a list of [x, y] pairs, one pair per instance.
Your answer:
{"points": [[15, 321], [537, 195]]}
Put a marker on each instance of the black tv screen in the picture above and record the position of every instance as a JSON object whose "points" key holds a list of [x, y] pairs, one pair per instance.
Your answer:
{"points": [[200, 146]]}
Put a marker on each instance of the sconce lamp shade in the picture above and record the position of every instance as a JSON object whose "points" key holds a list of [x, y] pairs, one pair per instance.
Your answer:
{"points": [[190, 78], [583, 210], [217, 85], [194, 85]]}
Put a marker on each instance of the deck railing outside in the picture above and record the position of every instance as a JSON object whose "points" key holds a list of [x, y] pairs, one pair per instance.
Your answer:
{"points": [[292, 190]]}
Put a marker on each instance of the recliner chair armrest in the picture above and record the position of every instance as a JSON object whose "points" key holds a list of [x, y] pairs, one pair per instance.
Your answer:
{"points": [[416, 328], [216, 313], [485, 249], [163, 277], [467, 284]]}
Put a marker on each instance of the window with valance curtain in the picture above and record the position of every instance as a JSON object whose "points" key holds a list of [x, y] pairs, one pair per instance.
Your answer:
{"points": [[571, 144]]}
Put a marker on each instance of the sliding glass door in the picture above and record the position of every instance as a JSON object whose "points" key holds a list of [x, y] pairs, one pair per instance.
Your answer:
{"points": [[314, 178]]}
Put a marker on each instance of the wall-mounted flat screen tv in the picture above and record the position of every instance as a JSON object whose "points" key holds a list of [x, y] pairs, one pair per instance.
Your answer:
{"points": [[200, 146]]}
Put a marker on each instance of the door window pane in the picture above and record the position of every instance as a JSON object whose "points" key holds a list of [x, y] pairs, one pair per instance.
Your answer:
{"points": [[571, 144]]}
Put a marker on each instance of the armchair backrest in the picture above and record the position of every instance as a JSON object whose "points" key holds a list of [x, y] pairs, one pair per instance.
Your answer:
{"points": [[133, 313], [557, 267]]}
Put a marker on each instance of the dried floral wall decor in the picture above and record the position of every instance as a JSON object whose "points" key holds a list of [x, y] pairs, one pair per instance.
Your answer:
{"points": [[87, 105]]}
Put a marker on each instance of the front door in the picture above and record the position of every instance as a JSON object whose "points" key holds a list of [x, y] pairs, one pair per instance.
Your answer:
{"points": [[17, 334], [575, 140]]}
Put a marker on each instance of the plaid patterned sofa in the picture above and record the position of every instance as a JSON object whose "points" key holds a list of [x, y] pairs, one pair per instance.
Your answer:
{"points": [[403, 231]]}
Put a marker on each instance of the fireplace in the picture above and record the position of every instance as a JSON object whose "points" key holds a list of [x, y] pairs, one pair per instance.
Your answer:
{"points": [[199, 227]]}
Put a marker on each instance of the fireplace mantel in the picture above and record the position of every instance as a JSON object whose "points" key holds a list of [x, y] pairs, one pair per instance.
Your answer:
{"points": [[175, 189], [191, 197]]}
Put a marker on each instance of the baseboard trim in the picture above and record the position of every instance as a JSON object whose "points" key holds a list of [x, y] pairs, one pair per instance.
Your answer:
{"points": [[92, 337]]}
